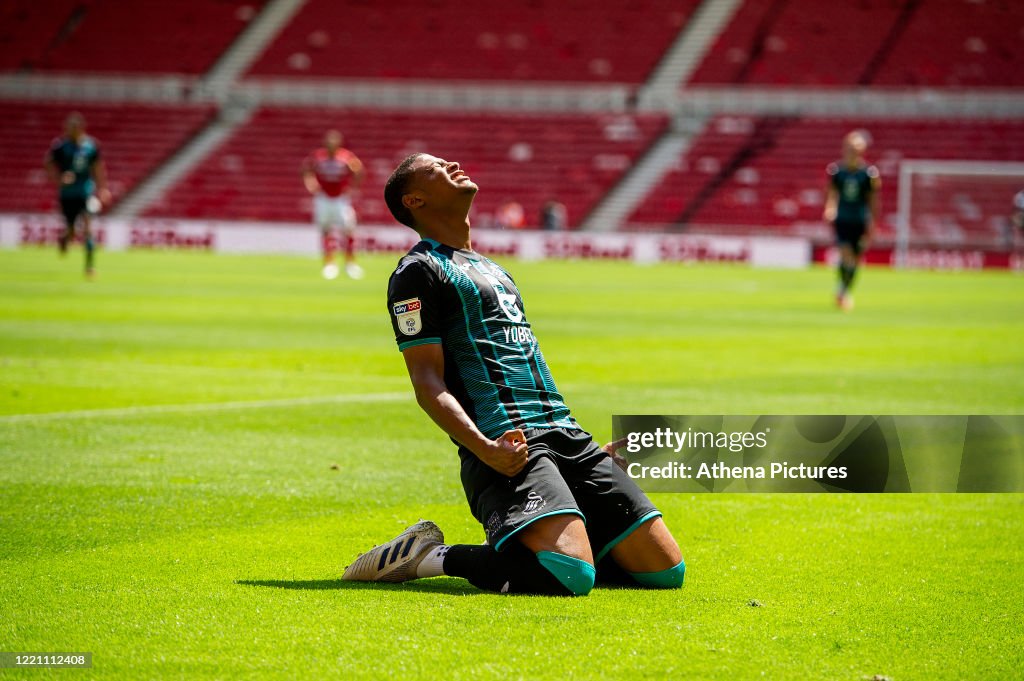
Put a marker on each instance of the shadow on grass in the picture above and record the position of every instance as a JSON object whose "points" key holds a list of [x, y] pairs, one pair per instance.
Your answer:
{"points": [[453, 587]]}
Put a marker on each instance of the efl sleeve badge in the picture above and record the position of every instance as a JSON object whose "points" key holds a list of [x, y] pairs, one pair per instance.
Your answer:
{"points": [[407, 314]]}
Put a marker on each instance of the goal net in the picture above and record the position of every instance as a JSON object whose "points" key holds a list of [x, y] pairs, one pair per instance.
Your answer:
{"points": [[957, 204]]}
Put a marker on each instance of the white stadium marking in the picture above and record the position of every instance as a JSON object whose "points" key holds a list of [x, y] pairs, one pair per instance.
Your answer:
{"points": [[210, 406]]}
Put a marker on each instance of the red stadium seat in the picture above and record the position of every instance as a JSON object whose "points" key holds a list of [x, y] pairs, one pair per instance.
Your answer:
{"points": [[530, 158], [112, 36], [869, 42], [544, 40]]}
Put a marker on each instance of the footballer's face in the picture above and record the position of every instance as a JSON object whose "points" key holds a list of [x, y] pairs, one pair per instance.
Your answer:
{"points": [[854, 146], [74, 126], [440, 180]]}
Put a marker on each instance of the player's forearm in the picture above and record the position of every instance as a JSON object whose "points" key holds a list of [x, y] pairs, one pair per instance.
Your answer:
{"points": [[100, 175], [442, 407], [52, 172], [831, 205]]}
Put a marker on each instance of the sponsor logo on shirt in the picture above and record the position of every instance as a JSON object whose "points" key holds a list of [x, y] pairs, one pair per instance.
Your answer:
{"points": [[407, 306], [534, 502], [407, 314]]}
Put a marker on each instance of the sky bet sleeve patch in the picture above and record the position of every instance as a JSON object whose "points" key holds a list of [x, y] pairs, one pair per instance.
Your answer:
{"points": [[407, 316], [414, 303]]}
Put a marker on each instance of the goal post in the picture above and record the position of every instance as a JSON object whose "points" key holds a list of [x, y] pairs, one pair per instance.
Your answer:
{"points": [[956, 204]]}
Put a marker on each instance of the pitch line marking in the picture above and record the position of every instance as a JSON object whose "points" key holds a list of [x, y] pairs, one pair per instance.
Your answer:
{"points": [[209, 406]]}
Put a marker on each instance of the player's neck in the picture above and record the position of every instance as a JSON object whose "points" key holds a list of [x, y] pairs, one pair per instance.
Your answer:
{"points": [[454, 233]]}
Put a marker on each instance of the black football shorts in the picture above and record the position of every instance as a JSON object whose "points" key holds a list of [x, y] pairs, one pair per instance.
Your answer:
{"points": [[852, 233], [567, 472], [71, 207]]}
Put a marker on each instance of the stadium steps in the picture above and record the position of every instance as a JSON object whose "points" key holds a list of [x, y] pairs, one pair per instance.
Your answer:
{"points": [[187, 157], [247, 48], [762, 140], [686, 53], [643, 177], [895, 35]]}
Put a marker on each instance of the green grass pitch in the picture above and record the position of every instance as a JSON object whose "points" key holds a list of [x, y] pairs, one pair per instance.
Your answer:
{"points": [[193, 446]]}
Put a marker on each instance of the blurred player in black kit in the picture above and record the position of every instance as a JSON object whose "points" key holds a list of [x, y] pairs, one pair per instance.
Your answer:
{"points": [[851, 206], [74, 165]]}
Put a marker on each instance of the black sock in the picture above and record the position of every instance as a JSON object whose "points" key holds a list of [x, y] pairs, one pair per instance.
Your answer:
{"points": [[89, 248], [846, 273], [850, 271], [611, 573], [514, 570]]}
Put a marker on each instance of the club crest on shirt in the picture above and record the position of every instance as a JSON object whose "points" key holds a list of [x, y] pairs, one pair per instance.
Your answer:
{"points": [[407, 314]]}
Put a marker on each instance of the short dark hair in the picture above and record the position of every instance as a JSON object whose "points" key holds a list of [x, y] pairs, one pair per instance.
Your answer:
{"points": [[396, 188]]}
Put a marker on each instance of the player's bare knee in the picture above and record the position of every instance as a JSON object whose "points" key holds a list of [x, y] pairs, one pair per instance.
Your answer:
{"points": [[649, 548], [651, 556], [562, 547], [564, 534]]}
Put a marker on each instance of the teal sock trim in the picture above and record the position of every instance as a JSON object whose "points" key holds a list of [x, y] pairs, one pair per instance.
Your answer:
{"points": [[666, 579], [575, 575], [611, 545]]}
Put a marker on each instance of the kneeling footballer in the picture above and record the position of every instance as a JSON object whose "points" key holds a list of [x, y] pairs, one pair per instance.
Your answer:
{"points": [[558, 512]]}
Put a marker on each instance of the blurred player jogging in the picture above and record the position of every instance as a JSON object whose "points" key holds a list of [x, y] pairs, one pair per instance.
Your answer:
{"points": [[532, 476], [332, 174], [74, 165], [851, 205]]}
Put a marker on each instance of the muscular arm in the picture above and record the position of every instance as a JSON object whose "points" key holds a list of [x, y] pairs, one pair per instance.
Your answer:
{"points": [[831, 204], [53, 172], [99, 172], [873, 206], [310, 181], [358, 172], [506, 455]]}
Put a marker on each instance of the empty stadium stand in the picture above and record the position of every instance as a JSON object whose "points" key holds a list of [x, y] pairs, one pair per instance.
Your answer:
{"points": [[528, 158], [134, 140], [869, 42], [28, 29], [112, 36], [981, 45], [542, 40], [745, 171], [768, 174]]}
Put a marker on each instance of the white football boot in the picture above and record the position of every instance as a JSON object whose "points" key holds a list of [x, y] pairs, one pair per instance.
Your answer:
{"points": [[353, 270], [396, 560]]}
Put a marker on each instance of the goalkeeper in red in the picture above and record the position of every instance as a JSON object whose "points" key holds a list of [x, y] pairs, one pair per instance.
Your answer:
{"points": [[557, 510], [851, 205]]}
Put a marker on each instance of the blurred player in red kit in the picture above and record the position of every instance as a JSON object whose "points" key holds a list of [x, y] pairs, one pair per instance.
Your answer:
{"points": [[332, 174]]}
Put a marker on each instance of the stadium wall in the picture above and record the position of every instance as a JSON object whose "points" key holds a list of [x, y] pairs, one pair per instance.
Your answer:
{"points": [[933, 258], [301, 239], [17, 230]]}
